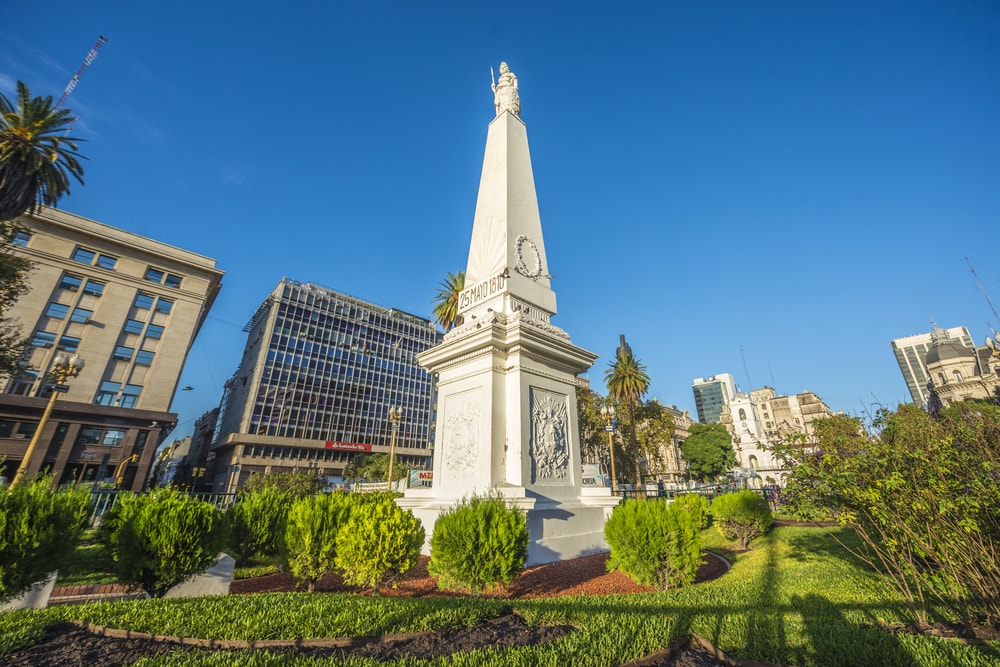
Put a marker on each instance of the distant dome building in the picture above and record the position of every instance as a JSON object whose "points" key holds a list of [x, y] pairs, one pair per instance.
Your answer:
{"points": [[957, 372]]}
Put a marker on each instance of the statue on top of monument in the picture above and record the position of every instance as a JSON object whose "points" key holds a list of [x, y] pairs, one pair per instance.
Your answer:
{"points": [[505, 97]]}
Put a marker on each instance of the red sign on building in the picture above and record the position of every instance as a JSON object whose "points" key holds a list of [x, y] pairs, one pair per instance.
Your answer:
{"points": [[348, 446]]}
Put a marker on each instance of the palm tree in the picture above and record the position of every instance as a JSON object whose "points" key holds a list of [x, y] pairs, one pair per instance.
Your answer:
{"points": [[627, 382], [446, 300], [35, 161]]}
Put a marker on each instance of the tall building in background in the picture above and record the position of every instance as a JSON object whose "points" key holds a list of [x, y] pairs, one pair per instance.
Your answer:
{"points": [[130, 307], [911, 353], [712, 395], [319, 374]]}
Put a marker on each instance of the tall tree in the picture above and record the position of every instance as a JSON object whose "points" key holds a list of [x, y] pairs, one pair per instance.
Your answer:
{"points": [[593, 441], [36, 158], [446, 300], [708, 451], [654, 432], [627, 382]]}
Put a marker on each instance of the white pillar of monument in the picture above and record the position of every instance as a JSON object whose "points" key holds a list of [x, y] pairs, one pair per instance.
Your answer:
{"points": [[506, 410]]}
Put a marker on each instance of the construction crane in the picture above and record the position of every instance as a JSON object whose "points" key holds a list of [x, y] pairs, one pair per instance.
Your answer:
{"points": [[91, 57], [982, 290]]}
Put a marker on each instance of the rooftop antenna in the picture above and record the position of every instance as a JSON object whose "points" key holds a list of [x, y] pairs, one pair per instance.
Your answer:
{"points": [[982, 290], [745, 369]]}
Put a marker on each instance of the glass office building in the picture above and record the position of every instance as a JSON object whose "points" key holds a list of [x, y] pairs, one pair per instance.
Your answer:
{"points": [[711, 396], [319, 374]]}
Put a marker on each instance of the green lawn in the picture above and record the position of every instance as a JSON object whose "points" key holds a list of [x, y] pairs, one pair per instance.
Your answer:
{"points": [[795, 599]]}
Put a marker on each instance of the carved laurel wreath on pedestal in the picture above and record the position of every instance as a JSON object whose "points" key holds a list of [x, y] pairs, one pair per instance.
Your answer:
{"points": [[522, 267]]}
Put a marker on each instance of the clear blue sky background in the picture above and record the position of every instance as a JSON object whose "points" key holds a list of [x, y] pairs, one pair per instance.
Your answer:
{"points": [[802, 180]]}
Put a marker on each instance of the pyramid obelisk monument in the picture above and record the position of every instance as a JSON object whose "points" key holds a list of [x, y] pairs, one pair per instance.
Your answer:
{"points": [[506, 409]]}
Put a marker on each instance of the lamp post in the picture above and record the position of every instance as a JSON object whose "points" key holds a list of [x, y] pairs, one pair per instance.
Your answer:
{"points": [[63, 368], [395, 414], [119, 476], [608, 412]]}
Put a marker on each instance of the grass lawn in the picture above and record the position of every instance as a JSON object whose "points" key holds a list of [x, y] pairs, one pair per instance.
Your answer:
{"points": [[90, 564], [795, 599]]}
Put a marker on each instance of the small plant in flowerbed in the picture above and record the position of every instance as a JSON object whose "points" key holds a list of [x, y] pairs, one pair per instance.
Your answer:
{"points": [[257, 521], [39, 529], [741, 516], [379, 543], [478, 545], [694, 505], [160, 539], [309, 547], [655, 544]]}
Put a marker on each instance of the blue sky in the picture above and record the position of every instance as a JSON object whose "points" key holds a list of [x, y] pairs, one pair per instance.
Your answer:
{"points": [[799, 180]]}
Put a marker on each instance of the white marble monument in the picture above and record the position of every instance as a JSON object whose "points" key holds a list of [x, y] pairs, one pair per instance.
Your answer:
{"points": [[506, 411]]}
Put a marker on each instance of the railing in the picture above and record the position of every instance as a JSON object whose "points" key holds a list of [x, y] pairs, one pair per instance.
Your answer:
{"points": [[709, 491], [102, 501]]}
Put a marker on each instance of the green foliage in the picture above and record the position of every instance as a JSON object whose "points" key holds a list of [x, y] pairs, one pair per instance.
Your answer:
{"points": [[257, 522], [446, 300], [593, 438], [654, 431], [708, 451], [309, 547], [627, 382], [158, 540], [695, 506], [36, 156], [653, 543], [921, 493], [39, 529], [296, 483], [373, 467], [741, 516], [379, 543], [478, 544]]}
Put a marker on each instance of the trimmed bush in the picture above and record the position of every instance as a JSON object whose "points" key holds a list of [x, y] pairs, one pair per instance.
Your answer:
{"points": [[655, 544], [162, 538], [258, 523], [695, 506], [379, 543], [741, 516], [39, 529], [478, 544], [309, 548]]}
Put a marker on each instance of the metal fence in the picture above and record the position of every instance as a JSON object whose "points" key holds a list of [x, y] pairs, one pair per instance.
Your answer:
{"points": [[102, 501], [709, 491]]}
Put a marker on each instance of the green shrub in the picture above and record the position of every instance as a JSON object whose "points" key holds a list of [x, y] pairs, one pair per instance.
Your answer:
{"points": [[257, 523], [39, 529], [478, 544], [160, 539], [655, 544], [695, 506], [309, 547], [379, 543], [297, 483], [741, 516]]}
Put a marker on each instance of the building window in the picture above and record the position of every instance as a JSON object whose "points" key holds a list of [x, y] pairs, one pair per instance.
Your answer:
{"points": [[140, 441], [164, 306], [21, 239], [108, 393], [113, 437], [70, 283], [130, 396], [94, 288], [81, 315], [84, 256], [107, 262], [89, 435], [958, 376], [22, 384], [69, 343], [6, 428], [743, 414], [143, 301], [144, 358], [154, 331], [154, 275], [123, 353], [56, 310], [134, 326], [43, 339], [172, 280]]}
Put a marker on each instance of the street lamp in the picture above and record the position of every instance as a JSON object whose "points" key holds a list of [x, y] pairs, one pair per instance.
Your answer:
{"points": [[395, 414], [119, 476], [63, 368], [608, 412]]}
